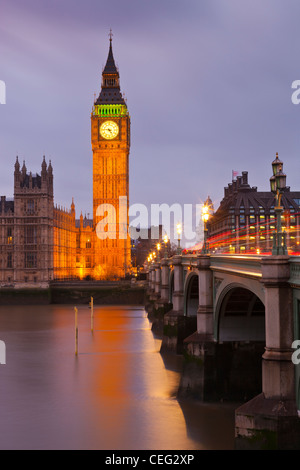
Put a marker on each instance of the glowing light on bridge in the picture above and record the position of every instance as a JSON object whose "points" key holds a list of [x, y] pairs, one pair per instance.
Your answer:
{"points": [[247, 239]]}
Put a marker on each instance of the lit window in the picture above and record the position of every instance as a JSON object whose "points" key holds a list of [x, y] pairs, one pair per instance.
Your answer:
{"points": [[9, 236]]}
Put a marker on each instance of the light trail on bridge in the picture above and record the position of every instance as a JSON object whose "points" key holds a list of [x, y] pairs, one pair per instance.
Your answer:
{"points": [[255, 238]]}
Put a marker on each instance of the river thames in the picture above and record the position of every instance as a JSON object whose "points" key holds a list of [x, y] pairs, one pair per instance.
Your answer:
{"points": [[118, 393]]}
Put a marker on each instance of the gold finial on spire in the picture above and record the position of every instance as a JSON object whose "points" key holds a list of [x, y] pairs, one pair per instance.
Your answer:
{"points": [[110, 35]]}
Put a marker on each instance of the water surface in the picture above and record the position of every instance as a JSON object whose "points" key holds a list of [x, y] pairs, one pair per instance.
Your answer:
{"points": [[118, 393]]}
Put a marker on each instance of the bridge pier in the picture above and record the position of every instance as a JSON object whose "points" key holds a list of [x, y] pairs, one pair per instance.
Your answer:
{"points": [[214, 369], [158, 294], [270, 420], [150, 291], [199, 374], [152, 282], [205, 319], [157, 280], [164, 281], [162, 304], [174, 329]]}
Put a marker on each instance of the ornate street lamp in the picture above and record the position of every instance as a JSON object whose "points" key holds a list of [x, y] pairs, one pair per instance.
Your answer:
{"points": [[166, 244], [158, 246], [205, 217], [278, 185], [179, 230]]}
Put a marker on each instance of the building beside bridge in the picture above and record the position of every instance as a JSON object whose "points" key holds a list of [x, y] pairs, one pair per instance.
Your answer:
{"points": [[245, 220]]}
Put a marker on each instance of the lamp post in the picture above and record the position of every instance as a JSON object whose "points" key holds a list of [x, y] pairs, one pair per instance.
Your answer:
{"points": [[158, 246], [179, 230], [205, 217], [166, 244], [278, 184]]}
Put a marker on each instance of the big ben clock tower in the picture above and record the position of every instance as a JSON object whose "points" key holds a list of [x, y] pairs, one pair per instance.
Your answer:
{"points": [[110, 135]]}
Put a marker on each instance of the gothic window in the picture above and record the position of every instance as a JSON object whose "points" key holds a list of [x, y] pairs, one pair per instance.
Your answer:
{"points": [[30, 238], [30, 260], [30, 206], [9, 260], [9, 236]]}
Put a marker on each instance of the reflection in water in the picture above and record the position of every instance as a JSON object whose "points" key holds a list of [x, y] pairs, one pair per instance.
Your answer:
{"points": [[118, 393]]}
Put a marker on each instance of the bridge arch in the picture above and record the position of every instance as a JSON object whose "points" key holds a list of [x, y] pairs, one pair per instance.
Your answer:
{"points": [[191, 294], [240, 333], [240, 315]]}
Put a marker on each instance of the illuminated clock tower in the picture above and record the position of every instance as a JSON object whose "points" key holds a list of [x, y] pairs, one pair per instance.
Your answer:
{"points": [[110, 134]]}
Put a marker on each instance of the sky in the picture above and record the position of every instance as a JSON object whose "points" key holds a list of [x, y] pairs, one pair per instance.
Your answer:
{"points": [[207, 83]]}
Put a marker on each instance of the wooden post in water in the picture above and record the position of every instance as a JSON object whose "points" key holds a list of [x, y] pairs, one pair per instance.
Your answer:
{"points": [[76, 331], [92, 314]]}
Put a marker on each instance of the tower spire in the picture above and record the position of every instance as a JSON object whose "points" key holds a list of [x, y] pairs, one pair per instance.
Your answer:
{"points": [[110, 90], [110, 67]]}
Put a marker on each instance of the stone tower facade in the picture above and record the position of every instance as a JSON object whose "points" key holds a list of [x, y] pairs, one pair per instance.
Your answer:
{"points": [[40, 241], [110, 137], [29, 232]]}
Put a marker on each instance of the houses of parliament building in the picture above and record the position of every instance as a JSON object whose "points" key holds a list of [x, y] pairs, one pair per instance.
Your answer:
{"points": [[40, 241]]}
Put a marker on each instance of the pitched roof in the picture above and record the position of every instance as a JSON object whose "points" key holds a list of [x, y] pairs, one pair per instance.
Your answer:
{"points": [[110, 66], [110, 91]]}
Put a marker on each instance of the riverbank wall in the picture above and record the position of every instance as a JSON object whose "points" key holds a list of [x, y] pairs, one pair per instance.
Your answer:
{"points": [[103, 293]]}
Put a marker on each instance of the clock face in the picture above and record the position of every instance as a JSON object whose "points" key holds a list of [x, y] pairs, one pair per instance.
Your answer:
{"points": [[109, 129]]}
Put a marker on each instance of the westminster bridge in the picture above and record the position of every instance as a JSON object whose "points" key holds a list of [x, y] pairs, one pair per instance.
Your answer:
{"points": [[235, 319]]}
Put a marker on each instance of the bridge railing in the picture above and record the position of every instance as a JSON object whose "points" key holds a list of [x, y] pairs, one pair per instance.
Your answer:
{"points": [[248, 265], [295, 270]]}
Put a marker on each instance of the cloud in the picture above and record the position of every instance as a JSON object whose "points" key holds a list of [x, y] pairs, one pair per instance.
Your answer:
{"points": [[207, 83]]}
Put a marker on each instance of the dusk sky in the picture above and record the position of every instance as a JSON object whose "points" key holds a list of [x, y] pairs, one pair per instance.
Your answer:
{"points": [[207, 82]]}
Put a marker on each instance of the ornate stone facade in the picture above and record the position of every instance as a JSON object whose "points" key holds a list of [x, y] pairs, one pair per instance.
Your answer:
{"points": [[110, 136], [40, 241]]}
